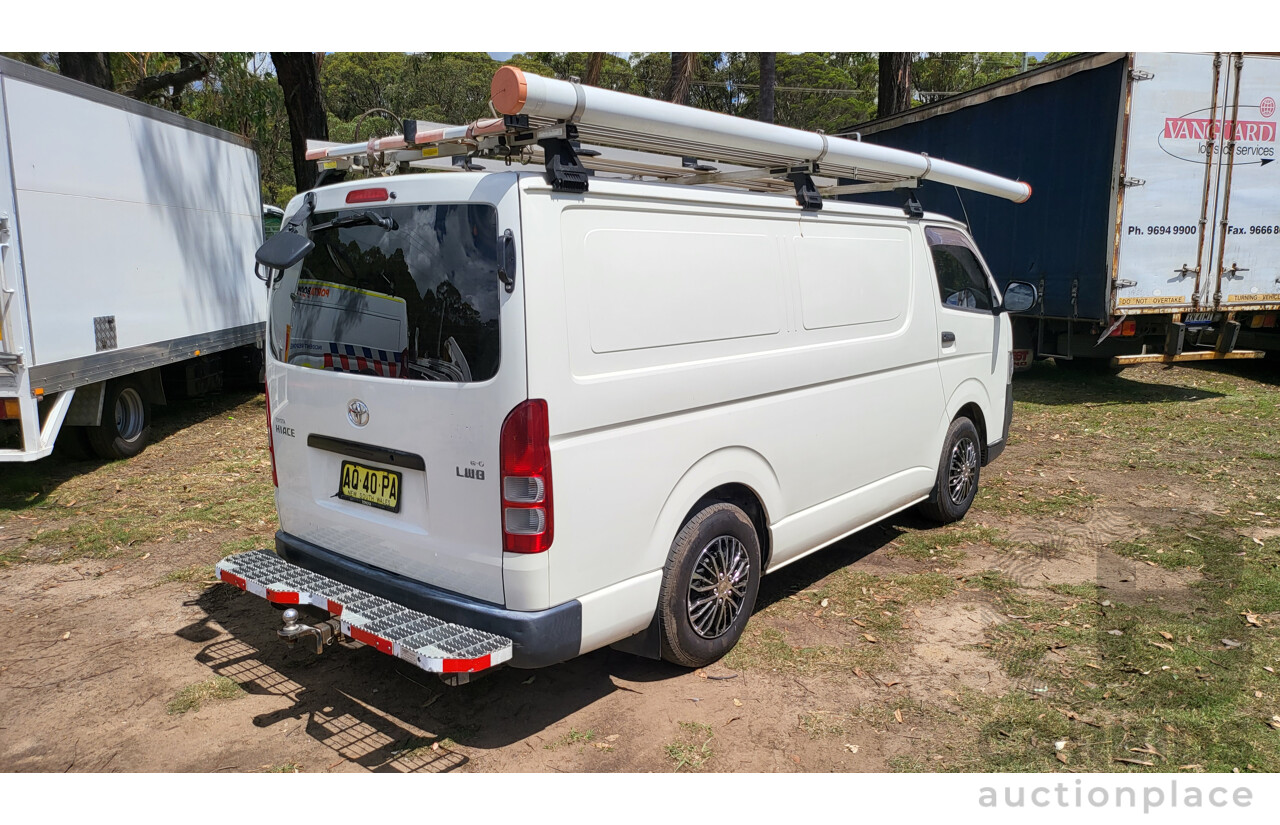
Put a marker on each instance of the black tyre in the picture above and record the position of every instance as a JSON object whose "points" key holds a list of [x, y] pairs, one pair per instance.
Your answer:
{"points": [[709, 586], [958, 473], [126, 421]]}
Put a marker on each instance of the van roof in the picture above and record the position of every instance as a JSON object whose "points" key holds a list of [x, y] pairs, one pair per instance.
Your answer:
{"points": [[533, 181]]}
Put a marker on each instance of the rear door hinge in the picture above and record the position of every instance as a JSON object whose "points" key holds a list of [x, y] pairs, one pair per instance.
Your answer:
{"points": [[1132, 182], [1138, 75], [1125, 283]]}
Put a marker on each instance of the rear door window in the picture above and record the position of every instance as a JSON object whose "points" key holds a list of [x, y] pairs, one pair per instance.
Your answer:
{"points": [[408, 292]]}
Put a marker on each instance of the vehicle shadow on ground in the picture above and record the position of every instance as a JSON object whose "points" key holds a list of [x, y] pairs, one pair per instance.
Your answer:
{"points": [[386, 715], [26, 485], [1048, 384]]}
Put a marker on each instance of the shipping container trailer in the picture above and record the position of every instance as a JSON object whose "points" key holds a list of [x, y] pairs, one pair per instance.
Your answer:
{"points": [[1154, 233]]}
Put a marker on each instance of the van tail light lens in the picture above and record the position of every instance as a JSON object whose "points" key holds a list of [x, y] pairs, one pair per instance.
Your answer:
{"points": [[271, 445], [525, 450]]}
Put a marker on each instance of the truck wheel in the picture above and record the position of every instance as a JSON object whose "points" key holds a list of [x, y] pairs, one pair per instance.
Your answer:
{"points": [[126, 421], [709, 586], [958, 472]]}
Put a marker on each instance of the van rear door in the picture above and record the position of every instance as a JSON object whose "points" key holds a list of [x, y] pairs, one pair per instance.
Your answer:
{"points": [[396, 355]]}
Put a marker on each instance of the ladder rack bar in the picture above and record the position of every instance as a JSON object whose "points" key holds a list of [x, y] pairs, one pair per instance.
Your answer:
{"points": [[516, 92], [862, 188]]}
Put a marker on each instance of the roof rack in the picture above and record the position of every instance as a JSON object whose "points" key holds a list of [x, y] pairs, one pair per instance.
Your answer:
{"points": [[555, 123]]}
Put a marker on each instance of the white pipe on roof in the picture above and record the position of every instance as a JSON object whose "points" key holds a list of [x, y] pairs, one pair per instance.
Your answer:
{"points": [[518, 92]]}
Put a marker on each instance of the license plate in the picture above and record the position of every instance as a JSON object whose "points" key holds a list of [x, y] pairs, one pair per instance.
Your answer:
{"points": [[367, 485], [1198, 319]]}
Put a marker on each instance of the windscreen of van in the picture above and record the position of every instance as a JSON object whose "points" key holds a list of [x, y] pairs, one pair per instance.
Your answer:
{"points": [[407, 292]]}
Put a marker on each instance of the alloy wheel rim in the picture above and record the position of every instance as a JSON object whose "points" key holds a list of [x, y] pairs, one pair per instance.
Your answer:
{"points": [[962, 470], [718, 587]]}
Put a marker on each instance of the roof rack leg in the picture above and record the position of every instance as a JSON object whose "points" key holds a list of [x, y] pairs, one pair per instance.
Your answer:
{"points": [[912, 207], [565, 172], [806, 193]]}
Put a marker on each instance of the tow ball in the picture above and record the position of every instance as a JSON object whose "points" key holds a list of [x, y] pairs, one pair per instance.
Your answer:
{"points": [[322, 632]]}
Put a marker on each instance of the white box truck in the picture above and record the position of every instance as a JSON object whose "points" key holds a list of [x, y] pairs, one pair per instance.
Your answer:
{"points": [[127, 235], [520, 416]]}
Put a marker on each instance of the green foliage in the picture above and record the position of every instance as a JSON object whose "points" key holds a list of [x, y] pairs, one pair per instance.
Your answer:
{"points": [[939, 75]]}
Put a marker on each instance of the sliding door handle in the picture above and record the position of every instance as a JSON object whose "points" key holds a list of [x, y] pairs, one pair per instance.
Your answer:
{"points": [[948, 339]]}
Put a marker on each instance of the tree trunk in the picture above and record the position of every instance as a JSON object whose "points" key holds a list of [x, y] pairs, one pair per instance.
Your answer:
{"points": [[768, 79], [682, 68], [88, 67], [299, 75], [595, 65], [895, 83]]}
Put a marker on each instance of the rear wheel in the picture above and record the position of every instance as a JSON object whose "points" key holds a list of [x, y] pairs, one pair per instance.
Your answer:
{"points": [[709, 586], [958, 472], [126, 421]]}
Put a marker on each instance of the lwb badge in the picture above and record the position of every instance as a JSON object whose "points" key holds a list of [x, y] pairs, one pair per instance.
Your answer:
{"points": [[357, 413]]}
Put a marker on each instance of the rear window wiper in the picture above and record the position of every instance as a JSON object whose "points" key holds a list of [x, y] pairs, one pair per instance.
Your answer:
{"points": [[358, 219]]}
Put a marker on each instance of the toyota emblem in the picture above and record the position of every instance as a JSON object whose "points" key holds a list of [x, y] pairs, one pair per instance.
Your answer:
{"points": [[357, 412]]}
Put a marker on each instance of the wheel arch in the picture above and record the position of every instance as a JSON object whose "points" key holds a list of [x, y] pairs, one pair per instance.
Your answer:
{"points": [[970, 400], [736, 475]]}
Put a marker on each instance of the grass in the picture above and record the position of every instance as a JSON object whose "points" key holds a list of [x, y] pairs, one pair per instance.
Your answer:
{"points": [[692, 749], [195, 574], [193, 697], [1117, 681], [573, 737], [944, 547], [865, 612], [206, 473], [287, 767]]}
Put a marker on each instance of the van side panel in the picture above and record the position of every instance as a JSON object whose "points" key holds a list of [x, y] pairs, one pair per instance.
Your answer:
{"points": [[669, 374]]}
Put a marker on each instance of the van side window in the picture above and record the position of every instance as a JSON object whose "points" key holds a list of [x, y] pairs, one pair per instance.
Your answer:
{"points": [[962, 282]]}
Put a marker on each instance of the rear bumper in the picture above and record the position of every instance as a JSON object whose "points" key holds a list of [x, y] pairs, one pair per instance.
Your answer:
{"points": [[540, 638]]}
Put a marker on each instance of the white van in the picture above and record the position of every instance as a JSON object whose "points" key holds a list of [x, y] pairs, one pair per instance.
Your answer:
{"points": [[614, 410]]}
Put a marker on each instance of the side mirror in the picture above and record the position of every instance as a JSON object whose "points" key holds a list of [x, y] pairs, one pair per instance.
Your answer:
{"points": [[1020, 296], [283, 249]]}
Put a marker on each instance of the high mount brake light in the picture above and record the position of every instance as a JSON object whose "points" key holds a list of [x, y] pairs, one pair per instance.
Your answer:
{"points": [[366, 195], [525, 448]]}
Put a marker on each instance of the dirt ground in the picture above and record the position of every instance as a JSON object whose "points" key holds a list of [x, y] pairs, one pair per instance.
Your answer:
{"points": [[881, 652]]}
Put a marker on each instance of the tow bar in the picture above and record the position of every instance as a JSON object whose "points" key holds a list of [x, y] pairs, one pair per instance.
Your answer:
{"points": [[293, 630]]}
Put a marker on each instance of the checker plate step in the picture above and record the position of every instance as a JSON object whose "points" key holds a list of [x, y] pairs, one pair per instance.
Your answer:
{"points": [[432, 644]]}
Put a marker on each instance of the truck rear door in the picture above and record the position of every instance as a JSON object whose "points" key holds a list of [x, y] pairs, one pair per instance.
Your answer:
{"points": [[1247, 263], [1171, 181]]}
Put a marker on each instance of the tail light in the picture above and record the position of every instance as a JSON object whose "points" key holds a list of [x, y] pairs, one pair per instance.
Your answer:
{"points": [[271, 446], [525, 450]]}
